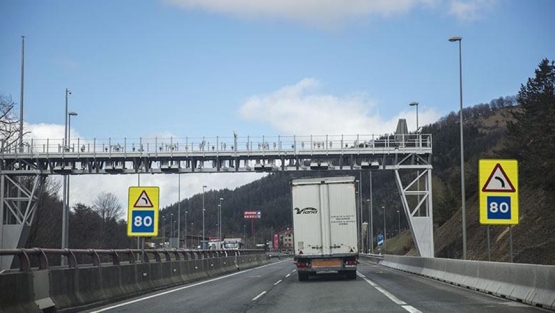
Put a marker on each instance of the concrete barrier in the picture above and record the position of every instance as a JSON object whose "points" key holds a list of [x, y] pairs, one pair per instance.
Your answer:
{"points": [[527, 283], [75, 289], [17, 294]]}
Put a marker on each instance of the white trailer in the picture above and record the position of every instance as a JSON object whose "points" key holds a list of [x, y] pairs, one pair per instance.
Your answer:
{"points": [[325, 226]]}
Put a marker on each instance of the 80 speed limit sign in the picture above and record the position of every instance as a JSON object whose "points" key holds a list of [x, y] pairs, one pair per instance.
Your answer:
{"points": [[142, 217]]}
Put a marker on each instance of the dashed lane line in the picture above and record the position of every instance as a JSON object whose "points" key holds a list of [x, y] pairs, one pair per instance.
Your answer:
{"points": [[260, 295]]}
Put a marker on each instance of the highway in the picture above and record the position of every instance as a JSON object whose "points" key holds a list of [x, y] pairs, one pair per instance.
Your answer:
{"points": [[275, 288]]}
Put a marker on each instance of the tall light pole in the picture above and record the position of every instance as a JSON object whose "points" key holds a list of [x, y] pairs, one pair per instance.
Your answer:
{"points": [[65, 213], [415, 104], [171, 228], [220, 218], [384, 228], [371, 229], [357, 192], [463, 207], [70, 114], [179, 210], [399, 219], [186, 213], [203, 234]]}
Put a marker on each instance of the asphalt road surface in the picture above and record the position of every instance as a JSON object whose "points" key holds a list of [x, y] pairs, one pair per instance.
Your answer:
{"points": [[275, 288]]}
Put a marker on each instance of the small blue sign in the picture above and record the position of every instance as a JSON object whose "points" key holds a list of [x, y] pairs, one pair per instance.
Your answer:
{"points": [[142, 221], [499, 207], [380, 240]]}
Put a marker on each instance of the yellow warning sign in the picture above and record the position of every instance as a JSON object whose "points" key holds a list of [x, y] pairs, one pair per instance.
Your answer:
{"points": [[498, 192], [142, 215]]}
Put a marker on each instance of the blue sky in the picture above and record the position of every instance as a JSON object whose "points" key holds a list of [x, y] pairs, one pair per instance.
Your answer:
{"points": [[206, 68]]}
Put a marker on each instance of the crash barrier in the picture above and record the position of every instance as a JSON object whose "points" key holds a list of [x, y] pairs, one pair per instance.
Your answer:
{"points": [[376, 258], [130, 273], [527, 283]]}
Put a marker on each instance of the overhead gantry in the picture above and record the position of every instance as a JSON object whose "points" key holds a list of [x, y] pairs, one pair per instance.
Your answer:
{"points": [[22, 171]]}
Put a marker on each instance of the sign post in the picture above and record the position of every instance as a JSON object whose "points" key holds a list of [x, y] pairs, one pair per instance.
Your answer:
{"points": [[142, 214], [499, 194], [252, 215]]}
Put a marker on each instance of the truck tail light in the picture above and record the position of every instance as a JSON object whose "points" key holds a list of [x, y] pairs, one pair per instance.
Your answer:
{"points": [[301, 264], [351, 262]]}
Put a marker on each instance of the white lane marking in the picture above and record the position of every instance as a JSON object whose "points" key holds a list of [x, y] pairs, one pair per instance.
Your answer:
{"points": [[181, 288], [279, 281], [260, 295], [287, 275], [410, 309], [360, 275], [392, 297]]}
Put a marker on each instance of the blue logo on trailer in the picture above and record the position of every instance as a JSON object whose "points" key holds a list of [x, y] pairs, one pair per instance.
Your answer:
{"points": [[380, 240]]}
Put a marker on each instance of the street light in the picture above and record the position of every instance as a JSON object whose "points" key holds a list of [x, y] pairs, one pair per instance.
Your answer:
{"points": [[399, 219], [65, 195], [203, 234], [220, 218], [371, 231], [463, 207], [179, 210], [384, 229], [415, 104], [186, 213], [171, 229]]}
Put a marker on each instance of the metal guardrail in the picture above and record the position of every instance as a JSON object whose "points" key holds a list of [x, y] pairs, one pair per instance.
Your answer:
{"points": [[196, 145], [374, 257], [115, 255]]}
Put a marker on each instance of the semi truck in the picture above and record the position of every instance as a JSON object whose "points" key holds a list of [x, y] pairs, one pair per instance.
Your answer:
{"points": [[325, 226]]}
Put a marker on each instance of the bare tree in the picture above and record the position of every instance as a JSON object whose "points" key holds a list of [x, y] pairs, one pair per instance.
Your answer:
{"points": [[9, 124], [107, 206]]}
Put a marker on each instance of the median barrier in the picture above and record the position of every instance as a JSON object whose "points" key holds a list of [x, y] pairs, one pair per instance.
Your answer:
{"points": [[78, 287], [527, 283], [17, 293]]}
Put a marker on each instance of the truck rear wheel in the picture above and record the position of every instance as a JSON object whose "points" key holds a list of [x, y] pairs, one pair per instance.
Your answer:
{"points": [[303, 276], [351, 275]]}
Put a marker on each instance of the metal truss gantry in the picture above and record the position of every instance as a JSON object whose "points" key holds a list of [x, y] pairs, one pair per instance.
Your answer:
{"points": [[23, 171]]}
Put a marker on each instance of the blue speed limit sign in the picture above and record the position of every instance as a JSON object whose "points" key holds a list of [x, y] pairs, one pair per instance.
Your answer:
{"points": [[142, 221], [499, 207]]}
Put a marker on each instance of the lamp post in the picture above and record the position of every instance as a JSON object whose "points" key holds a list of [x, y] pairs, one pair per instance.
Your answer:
{"points": [[371, 208], [463, 207], [220, 218], [179, 211], [171, 229], [65, 191], [384, 229], [185, 239], [203, 234], [399, 219], [415, 104], [371, 228], [164, 232]]}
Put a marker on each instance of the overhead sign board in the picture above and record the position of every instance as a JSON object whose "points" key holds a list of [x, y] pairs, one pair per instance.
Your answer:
{"points": [[251, 214], [498, 192], [142, 213]]}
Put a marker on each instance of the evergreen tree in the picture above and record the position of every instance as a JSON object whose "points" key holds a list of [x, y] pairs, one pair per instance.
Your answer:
{"points": [[531, 138]]}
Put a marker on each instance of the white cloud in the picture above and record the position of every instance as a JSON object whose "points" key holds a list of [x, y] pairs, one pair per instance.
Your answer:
{"points": [[300, 110], [470, 10], [316, 12]]}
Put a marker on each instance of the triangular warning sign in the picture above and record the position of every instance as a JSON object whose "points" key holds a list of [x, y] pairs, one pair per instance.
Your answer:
{"points": [[143, 201], [498, 181]]}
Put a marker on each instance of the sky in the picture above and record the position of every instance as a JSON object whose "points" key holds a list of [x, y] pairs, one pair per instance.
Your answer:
{"points": [[194, 68]]}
